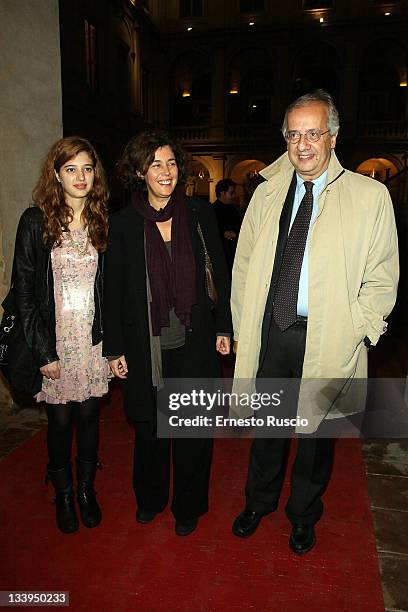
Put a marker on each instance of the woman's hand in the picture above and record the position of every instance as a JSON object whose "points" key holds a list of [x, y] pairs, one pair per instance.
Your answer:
{"points": [[235, 347], [119, 367], [51, 370], [222, 345]]}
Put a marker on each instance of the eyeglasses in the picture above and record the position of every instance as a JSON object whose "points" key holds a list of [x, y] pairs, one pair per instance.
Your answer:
{"points": [[313, 135]]}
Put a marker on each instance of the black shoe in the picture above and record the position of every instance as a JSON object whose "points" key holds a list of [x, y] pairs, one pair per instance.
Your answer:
{"points": [[67, 520], [89, 508], [66, 517], [246, 523], [302, 539], [145, 516], [185, 527]]}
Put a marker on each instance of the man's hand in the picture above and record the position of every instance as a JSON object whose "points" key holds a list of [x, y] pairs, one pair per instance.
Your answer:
{"points": [[222, 345], [51, 370], [119, 367], [235, 347], [230, 235]]}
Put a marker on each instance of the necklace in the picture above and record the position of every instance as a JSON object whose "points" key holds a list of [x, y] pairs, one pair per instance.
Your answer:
{"points": [[81, 252]]}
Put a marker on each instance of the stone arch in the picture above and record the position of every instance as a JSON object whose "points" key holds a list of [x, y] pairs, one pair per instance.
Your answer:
{"points": [[198, 181], [250, 86], [379, 168], [204, 173], [207, 162], [245, 172]]}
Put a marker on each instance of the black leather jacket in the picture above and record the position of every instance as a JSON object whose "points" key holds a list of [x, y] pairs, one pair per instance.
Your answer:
{"points": [[34, 289]]}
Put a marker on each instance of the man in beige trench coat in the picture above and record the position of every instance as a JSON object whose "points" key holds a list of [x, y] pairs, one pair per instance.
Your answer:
{"points": [[314, 278]]}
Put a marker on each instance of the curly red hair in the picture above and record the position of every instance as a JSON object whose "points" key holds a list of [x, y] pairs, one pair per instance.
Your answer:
{"points": [[48, 194]]}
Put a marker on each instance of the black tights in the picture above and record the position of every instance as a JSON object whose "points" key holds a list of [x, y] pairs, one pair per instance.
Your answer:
{"points": [[61, 418]]}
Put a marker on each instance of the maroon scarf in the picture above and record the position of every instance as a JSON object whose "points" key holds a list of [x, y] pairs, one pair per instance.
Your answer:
{"points": [[172, 280]]}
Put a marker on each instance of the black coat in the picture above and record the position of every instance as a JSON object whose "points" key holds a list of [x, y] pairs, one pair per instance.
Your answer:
{"points": [[33, 289], [126, 322], [228, 220]]}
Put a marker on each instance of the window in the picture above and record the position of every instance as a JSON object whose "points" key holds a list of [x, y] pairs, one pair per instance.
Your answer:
{"points": [[259, 109], [317, 4], [251, 6], [91, 54], [253, 102], [191, 8], [194, 109]]}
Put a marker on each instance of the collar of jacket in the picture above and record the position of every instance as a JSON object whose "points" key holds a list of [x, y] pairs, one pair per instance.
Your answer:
{"points": [[282, 169]]}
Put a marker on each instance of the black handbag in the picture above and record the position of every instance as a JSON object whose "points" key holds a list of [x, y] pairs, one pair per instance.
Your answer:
{"points": [[16, 358], [209, 271], [7, 330]]}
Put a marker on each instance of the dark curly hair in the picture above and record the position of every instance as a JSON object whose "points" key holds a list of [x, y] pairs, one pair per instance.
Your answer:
{"points": [[139, 154], [48, 194]]}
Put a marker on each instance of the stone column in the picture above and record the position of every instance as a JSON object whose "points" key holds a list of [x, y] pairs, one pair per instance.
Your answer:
{"points": [[30, 111]]}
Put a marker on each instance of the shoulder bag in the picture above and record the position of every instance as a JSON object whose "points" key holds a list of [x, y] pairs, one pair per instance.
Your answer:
{"points": [[209, 271], [16, 358]]}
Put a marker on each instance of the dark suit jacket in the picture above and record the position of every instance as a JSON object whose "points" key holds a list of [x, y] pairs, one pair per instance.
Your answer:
{"points": [[228, 219]]}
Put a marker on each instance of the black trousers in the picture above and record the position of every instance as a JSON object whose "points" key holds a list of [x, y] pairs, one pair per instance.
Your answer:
{"points": [[152, 460], [268, 457]]}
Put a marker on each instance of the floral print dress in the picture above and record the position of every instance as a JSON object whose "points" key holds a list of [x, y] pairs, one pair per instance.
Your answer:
{"points": [[84, 372]]}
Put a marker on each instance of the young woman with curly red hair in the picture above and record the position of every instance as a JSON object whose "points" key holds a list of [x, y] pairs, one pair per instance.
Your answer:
{"points": [[57, 284]]}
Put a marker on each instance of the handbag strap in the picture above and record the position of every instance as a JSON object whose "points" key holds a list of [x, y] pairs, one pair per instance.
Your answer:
{"points": [[200, 233], [207, 257]]}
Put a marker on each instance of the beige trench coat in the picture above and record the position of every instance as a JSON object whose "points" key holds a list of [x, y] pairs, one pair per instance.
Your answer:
{"points": [[353, 277]]}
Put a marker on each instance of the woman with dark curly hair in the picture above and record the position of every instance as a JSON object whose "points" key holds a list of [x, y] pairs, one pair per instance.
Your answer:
{"points": [[159, 319], [57, 285]]}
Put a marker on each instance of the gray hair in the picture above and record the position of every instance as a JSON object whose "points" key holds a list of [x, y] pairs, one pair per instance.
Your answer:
{"points": [[333, 122]]}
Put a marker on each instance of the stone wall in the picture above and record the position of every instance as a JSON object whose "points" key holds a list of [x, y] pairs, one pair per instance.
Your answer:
{"points": [[30, 112]]}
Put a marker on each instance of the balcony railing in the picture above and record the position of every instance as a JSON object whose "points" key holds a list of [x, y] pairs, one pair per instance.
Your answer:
{"points": [[191, 133], [227, 132], [388, 130], [252, 132]]}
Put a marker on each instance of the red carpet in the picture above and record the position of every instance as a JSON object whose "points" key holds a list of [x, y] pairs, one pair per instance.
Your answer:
{"points": [[122, 565]]}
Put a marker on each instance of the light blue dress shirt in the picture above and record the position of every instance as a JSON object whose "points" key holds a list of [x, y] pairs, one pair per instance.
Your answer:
{"points": [[319, 185]]}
